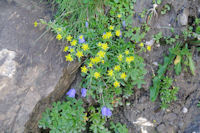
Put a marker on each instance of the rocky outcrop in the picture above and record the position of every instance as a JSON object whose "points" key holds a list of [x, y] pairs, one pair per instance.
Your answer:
{"points": [[33, 73]]}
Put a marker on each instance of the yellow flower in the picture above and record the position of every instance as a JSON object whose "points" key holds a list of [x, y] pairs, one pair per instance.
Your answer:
{"points": [[123, 76], [117, 68], [116, 84], [129, 59], [107, 35], [35, 24], [149, 48], [126, 52], [90, 65], [141, 44], [69, 58], [59, 29], [118, 33], [66, 49], [85, 47], [111, 27], [59, 37], [79, 54], [101, 54], [97, 75], [120, 57], [74, 42], [71, 50], [97, 60], [104, 46], [102, 61], [99, 44], [119, 15], [92, 60], [69, 38], [84, 69], [110, 73], [81, 37]]}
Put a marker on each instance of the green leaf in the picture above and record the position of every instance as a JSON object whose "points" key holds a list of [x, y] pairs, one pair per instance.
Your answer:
{"points": [[178, 68], [191, 65]]}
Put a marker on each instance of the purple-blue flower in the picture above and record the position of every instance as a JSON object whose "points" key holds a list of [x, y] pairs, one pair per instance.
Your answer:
{"points": [[86, 24], [124, 24], [83, 92], [71, 93], [106, 111], [81, 39]]}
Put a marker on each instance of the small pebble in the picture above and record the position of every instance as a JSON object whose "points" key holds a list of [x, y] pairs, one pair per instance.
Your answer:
{"points": [[184, 110], [155, 63]]}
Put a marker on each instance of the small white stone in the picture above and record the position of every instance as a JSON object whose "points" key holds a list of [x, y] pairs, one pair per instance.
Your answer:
{"points": [[184, 110], [150, 43], [8, 66], [155, 63]]}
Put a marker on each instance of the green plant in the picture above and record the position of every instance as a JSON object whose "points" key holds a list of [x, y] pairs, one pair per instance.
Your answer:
{"points": [[71, 15], [198, 105], [111, 66], [64, 117], [165, 9], [157, 37], [157, 80], [118, 128], [171, 40], [183, 56], [97, 123], [167, 93]]}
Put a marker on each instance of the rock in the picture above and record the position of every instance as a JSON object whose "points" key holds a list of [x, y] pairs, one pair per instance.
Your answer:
{"points": [[32, 74], [183, 17], [161, 128], [184, 110], [7, 63], [150, 43], [170, 117]]}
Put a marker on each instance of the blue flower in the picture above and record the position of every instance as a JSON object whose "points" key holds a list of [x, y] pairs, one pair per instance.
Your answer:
{"points": [[81, 39], [124, 24], [83, 92], [86, 24], [71, 93], [106, 111]]}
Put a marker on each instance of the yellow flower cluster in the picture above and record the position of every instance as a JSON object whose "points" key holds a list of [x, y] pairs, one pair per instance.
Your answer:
{"points": [[110, 73], [129, 59], [69, 58], [107, 35], [97, 75], [69, 38], [118, 33], [116, 84], [117, 68], [111, 27], [35, 24], [104, 46], [74, 42], [85, 47], [59, 37], [84, 69]]}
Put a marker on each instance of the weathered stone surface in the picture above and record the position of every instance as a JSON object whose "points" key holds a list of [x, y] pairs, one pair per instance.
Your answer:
{"points": [[33, 74]]}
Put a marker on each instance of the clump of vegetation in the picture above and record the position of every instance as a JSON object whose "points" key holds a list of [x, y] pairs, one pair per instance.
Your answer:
{"points": [[99, 34], [111, 66], [167, 92], [166, 8], [65, 117]]}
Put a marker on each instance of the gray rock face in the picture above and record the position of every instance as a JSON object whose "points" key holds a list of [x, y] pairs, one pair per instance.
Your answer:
{"points": [[33, 74]]}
